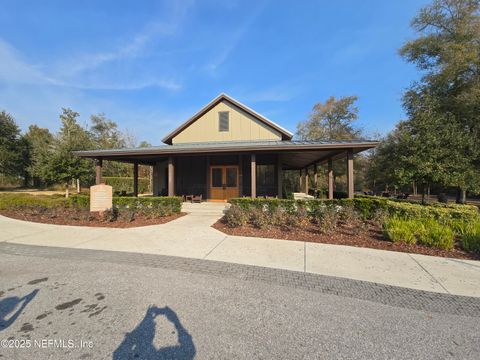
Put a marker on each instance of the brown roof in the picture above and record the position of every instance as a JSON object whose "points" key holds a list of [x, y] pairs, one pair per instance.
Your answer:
{"points": [[286, 135]]}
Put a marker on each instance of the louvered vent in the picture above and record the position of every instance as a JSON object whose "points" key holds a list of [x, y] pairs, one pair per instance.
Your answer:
{"points": [[223, 121]]}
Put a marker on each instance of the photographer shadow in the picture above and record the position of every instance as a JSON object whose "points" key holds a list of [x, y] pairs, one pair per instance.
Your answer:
{"points": [[138, 344], [8, 314]]}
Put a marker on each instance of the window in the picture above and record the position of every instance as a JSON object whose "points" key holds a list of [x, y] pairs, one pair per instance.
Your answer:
{"points": [[265, 175], [223, 124]]}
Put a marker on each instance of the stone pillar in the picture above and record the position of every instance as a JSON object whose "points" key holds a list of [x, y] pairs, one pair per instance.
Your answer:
{"points": [[330, 179], [253, 164], [350, 173], [135, 179], [171, 177], [98, 171]]}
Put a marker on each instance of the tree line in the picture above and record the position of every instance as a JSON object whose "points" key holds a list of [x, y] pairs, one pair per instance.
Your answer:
{"points": [[438, 144], [40, 158]]}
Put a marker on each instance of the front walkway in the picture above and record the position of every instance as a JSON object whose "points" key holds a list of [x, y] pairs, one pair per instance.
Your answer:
{"points": [[192, 236]]}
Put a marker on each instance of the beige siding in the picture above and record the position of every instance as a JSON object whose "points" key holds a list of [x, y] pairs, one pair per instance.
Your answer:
{"points": [[243, 126]]}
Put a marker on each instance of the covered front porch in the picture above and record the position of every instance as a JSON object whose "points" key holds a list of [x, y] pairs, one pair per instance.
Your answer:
{"points": [[219, 174]]}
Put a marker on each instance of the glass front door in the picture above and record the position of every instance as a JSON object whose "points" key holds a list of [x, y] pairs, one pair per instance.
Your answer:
{"points": [[223, 182]]}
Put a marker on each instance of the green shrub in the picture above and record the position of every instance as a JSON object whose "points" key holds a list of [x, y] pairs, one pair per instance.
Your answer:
{"points": [[400, 230], [149, 206], [431, 233], [471, 238], [21, 200], [326, 218], [236, 216], [259, 218], [369, 206], [125, 184]]}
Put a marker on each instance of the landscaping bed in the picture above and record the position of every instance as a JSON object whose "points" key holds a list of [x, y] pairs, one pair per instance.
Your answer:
{"points": [[371, 237], [126, 211], [439, 230], [69, 216]]}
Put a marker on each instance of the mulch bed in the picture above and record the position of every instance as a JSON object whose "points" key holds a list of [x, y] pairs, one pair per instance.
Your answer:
{"points": [[369, 237], [67, 216]]}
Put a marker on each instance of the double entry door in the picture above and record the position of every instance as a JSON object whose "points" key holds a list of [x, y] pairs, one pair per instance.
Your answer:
{"points": [[223, 182]]}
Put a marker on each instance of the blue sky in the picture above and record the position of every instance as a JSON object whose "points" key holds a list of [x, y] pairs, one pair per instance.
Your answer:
{"points": [[149, 65]]}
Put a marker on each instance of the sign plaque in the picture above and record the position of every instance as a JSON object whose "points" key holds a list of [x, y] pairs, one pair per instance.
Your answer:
{"points": [[100, 197]]}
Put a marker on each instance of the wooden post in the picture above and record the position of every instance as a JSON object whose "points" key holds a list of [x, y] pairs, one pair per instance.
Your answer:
{"points": [[98, 171], [253, 163], [208, 176], [315, 177], [306, 181], [240, 175], [171, 177], [330, 179], [300, 178], [279, 177], [350, 173], [135, 179]]}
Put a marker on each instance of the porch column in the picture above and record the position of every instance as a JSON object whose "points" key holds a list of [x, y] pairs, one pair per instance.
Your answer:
{"points": [[330, 179], [98, 171], [171, 178], [300, 178], [306, 180], [350, 173], [315, 177], [240, 175], [279, 177], [208, 177], [135, 179], [253, 164]]}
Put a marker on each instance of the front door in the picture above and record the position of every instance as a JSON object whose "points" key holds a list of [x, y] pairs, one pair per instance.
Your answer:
{"points": [[223, 182]]}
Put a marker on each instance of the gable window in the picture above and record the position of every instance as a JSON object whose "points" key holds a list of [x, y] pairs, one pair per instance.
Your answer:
{"points": [[223, 121]]}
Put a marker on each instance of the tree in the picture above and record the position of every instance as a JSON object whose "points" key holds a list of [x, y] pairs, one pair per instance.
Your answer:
{"points": [[14, 155], [332, 120], [63, 166], [447, 98], [40, 143], [106, 135]]}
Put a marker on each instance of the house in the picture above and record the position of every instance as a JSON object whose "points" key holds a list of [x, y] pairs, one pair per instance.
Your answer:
{"points": [[229, 150]]}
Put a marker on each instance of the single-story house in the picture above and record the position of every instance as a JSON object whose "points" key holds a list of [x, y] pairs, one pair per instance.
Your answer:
{"points": [[228, 150]]}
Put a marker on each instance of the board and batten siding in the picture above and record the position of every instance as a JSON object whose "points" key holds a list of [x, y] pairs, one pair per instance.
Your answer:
{"points": [[242, 127]]}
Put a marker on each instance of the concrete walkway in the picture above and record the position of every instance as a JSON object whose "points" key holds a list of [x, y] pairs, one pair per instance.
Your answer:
{"points": [[192, 236]]}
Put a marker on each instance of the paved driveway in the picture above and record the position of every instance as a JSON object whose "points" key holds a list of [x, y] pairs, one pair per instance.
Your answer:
{"points": [[192, 236], [103, 305]]}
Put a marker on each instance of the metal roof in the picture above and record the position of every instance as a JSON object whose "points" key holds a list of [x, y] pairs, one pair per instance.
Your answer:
{"points": [[205, 147]]}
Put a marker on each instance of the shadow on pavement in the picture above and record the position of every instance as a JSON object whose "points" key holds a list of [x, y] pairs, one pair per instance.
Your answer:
{"points": [[138, 344], [8, 314]]}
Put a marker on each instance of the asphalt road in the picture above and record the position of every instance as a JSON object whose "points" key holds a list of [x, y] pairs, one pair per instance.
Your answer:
{"points": [[91, 308]]}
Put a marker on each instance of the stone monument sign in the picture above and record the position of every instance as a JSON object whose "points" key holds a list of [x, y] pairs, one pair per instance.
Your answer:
{"points": [[100, 197]]}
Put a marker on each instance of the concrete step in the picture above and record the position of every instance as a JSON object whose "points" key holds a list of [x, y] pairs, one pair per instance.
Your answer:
{"points": [[205, 208]]}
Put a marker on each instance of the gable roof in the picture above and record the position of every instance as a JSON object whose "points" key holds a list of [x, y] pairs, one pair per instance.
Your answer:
{"points": [[286, 135]]}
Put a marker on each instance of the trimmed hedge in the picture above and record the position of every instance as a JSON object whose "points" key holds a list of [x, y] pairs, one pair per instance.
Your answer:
{"points": [[125, 184], [159, 205], [154, 206], [19, 200], [368, 207]]}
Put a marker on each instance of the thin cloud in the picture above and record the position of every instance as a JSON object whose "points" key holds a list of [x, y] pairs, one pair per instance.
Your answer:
{"points": [[233, 40], [135, 47]]}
